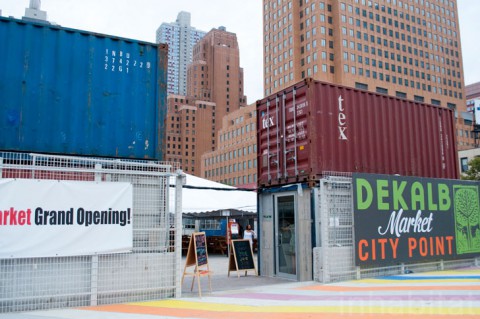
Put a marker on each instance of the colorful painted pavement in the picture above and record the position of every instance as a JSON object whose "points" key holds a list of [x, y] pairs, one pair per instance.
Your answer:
{"points": [[447, 294]]}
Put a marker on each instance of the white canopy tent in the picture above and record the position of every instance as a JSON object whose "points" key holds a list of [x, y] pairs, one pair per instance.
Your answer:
{"points": [[201, 195]]}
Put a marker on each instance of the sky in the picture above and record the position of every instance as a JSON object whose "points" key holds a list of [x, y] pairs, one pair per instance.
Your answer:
{"points": [[140, 19]]}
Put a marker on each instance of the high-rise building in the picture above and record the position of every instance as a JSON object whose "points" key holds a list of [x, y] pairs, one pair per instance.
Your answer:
{"points": [[215, 73], [234, 162], [409, 49], [215, 89], [188, 131], [472, 92], [181, 37]]}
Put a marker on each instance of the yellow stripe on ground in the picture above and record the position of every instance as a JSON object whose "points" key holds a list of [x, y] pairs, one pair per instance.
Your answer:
{"points": [[217, 307]]}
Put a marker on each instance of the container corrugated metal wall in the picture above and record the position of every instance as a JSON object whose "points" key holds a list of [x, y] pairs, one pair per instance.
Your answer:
{"points": [[313, 127], [73, 92]]}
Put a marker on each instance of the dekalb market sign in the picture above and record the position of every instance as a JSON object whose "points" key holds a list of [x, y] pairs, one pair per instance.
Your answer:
{"points": [[46, 218], [408, 219]]}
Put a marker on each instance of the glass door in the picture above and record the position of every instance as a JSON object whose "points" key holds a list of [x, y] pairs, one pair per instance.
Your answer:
{"points": [[286, 261]]}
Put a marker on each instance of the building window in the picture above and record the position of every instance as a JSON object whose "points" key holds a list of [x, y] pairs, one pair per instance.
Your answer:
{"points": [[382, 90], [361, 86], [401, 95], [464, 164], [419, 98]]}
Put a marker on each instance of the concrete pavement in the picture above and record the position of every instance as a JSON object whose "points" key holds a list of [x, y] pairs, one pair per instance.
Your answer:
{"points": [[447, 294]]}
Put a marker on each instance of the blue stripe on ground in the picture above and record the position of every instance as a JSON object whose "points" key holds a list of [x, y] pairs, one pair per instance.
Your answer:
{"points": [[410, 277]]}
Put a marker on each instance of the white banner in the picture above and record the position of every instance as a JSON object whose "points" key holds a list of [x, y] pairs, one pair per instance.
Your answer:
{"points": [[45, 218]]}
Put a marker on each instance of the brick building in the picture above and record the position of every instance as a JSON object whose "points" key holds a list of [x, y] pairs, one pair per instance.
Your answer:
{"points": [[234, 162], [214, 90]]}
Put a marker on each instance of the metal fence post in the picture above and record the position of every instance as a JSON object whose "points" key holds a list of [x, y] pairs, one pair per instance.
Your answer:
{"points": [[94, 281], [34, 162], [179, 182], [324, 233], [98, 174], [94, 274]]}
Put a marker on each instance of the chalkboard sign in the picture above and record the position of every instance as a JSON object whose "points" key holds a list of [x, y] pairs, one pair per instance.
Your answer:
{"points": [[197, 257], [197, 250], [241, 257], [201, 248]]}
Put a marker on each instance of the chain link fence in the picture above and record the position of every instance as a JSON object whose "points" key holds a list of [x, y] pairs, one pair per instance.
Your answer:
{"points": [[150, 271], [334, 254]]}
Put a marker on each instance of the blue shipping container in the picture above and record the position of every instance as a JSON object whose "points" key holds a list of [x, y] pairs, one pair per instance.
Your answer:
{"points": [[74, 92]]}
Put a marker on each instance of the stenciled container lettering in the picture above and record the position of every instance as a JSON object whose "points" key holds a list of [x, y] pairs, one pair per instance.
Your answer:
{"points": [[315, 127], [73, 92]]}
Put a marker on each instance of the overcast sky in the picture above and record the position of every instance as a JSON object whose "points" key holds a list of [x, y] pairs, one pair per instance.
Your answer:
{"points": [[139, 19]]}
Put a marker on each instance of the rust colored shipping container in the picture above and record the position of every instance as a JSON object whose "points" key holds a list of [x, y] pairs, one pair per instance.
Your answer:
{"points": [[314, 127]]}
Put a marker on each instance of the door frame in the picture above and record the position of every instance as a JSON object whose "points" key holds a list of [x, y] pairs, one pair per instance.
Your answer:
{"points": [[278, 249]]}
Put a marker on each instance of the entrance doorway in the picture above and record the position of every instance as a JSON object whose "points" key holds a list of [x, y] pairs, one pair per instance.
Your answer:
{"points": [[285, 226]]}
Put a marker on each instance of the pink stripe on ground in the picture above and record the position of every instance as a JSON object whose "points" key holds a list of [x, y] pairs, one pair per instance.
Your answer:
{"points": [[266, 296]]}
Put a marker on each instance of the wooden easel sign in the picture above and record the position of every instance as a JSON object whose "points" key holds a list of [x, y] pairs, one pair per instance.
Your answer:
{"points": [[197, 256], [241, 257]]}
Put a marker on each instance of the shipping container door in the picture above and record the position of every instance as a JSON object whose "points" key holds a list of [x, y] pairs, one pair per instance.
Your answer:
{"points": [[295, 145], [268, 135], [283, 138], [285, 226]]}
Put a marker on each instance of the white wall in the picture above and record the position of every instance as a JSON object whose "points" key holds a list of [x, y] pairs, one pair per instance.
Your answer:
{"points": [[466, 156]]}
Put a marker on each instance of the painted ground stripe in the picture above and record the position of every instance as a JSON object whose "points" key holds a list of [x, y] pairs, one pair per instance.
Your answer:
{"points": [[179, 304], [293, 315], [442, 278], [285, 297], [180, 307], [388, 288]]}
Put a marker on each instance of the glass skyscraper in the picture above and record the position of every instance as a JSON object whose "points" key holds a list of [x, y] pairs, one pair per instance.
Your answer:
{"points": [[181, 37]]}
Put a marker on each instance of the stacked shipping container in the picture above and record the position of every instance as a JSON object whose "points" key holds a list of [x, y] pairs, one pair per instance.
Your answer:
{"points": [[313, 127], [73, 92]]}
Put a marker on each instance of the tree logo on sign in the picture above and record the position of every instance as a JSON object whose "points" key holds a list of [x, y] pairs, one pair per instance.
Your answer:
{"points": [[467, 219]]}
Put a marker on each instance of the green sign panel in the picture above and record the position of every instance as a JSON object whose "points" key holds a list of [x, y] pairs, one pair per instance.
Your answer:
{"points": [[409, 219]]}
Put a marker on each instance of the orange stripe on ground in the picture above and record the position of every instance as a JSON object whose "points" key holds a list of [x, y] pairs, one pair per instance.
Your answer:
{"points": [[388, 288], [187, 313]]}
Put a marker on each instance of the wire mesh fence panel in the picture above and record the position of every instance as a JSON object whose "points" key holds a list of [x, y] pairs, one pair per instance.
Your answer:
{"points": [[423, 267], [335, 220], [44, 283], [149, 270], [456, 264], [380, 271]]}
